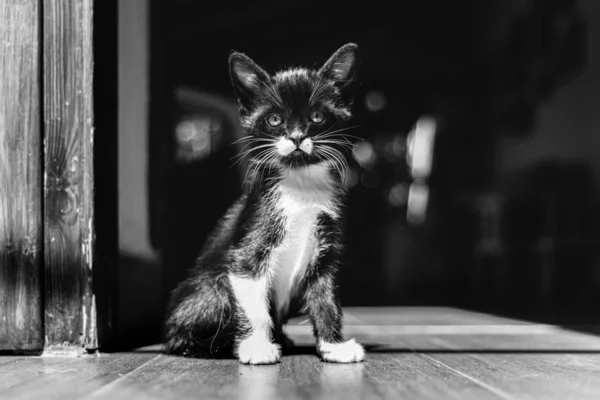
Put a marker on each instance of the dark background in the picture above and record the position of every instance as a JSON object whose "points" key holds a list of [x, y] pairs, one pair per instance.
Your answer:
{"points": [[511, 222]]}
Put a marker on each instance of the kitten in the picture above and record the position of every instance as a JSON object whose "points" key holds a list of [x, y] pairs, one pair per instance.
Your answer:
{"points": [[275, 253]]}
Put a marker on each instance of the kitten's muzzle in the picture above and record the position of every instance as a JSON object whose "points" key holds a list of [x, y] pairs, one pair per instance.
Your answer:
{"points": [[287, 146]]}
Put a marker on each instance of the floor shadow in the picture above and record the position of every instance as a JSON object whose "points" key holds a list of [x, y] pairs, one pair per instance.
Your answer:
{"points": [[376, 348]]}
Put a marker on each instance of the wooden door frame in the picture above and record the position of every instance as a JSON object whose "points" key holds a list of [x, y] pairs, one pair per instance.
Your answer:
{"points": [[70, 145]]}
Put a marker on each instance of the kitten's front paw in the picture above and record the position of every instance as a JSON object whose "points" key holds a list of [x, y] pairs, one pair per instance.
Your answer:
{"points": [[347, 352], [258, 351]]}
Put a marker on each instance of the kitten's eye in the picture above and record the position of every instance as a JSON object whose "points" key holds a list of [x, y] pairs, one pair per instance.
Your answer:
{"points": [[274, 120], [317, 117]]}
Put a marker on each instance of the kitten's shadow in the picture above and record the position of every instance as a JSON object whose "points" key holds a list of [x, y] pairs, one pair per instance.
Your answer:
{"points": [[301, 350]]}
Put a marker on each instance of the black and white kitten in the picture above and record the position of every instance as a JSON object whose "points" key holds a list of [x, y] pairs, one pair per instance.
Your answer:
{"points": [[275, 253]]}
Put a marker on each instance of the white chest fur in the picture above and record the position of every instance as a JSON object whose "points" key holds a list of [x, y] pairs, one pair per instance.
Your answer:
{"points": [[302, 194]]}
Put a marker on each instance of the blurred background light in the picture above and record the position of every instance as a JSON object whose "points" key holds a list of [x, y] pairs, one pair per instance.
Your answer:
{"points": [[194, 137], [398, 195], [364, 154], [420, 142], [418, 197], [185, 131], [375, 100]]}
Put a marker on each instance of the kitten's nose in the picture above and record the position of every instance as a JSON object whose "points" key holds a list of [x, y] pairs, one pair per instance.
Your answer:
{"points": [[297, 136], [298, 141]]}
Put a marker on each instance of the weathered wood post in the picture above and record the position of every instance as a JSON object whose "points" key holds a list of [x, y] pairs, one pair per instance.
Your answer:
{"points": [[20, 178], [70, 306]]}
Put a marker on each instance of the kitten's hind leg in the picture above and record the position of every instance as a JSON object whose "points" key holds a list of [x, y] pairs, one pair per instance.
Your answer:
{"points": [[255, 345], [202, 321]]}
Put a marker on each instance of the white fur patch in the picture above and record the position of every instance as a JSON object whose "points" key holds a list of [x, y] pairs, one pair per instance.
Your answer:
{"points": [[252, 295], [303, 195], [347, 352], [307, 189], [306, 145], [285, 146]]}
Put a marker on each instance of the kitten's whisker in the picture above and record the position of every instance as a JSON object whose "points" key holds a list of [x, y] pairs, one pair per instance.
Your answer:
{"points": [[242, 139], [340, 130], [252, 167], [267, 162], [266, 134], [344, 129], [344, 144], [262, 146], [252, 139], [255, 142], [241, 156], [334, 158], [334, 135], [340, 160], [261, 160], [346, 149], [327, 130]]}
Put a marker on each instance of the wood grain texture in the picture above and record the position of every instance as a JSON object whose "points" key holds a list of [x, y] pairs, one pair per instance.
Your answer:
{"points": [[66, 378], [20, 178], [425, 366], [296, 377], [532, 376], [548, 364], [70, 314]]}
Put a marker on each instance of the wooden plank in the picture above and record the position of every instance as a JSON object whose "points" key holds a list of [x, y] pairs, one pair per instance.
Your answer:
{"points": [[511, 366], [7, 359], [23, 370], [296, 377], [557, 341], [413, 376], [20, 178], [175, 377], [533, 376], [70, 316], [66, 378], [526, 366]]}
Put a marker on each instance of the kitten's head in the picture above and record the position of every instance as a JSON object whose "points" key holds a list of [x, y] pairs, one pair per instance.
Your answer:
{"points": [[296, 117]]}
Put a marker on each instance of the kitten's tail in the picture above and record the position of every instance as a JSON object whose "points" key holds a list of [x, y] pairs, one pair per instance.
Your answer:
{"points": [[202, 320]]}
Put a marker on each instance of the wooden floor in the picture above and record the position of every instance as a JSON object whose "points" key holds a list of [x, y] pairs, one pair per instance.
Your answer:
{"points": [[413, 353]]}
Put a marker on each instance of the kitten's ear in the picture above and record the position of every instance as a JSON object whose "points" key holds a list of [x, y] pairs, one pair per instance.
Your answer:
{"points": [[342, 66], [246, 77]]}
